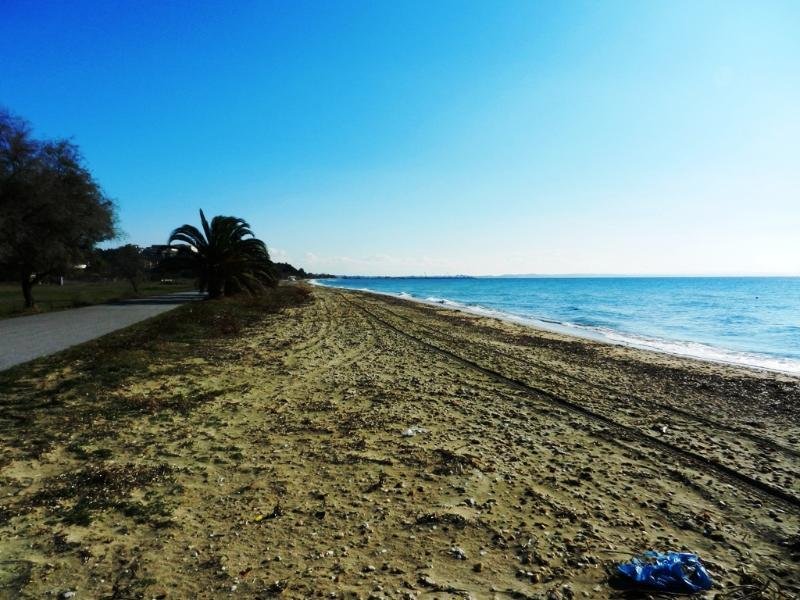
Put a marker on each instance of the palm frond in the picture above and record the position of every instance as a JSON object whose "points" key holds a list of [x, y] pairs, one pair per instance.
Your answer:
{"points": [[225, 256]]}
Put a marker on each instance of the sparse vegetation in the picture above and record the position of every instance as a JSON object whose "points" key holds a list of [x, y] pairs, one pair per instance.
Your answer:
{"points": [[76, 401], [188, 330], [257, 445], [43, 415], [73, 498], [74, 294]]}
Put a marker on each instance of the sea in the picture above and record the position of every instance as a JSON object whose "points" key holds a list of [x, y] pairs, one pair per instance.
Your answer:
{"points": [[751, 321]]}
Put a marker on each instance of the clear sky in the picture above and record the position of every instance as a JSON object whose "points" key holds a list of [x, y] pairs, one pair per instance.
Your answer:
{"points": [[440, 137]]}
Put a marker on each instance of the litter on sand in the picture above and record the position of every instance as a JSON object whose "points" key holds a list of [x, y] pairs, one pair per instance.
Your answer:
{"points": [[674, 572], [412, 431]]}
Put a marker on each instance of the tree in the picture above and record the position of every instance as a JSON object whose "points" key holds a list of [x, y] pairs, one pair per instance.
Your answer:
{"points": [[225, 256], [125, 262], [52, 212]]}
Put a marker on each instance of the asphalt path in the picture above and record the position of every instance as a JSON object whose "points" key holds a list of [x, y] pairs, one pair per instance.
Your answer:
{"points": [[25, 338]]}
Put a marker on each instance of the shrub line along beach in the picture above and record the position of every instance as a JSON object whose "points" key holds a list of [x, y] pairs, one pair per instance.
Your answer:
{"points": [[317, 441]]}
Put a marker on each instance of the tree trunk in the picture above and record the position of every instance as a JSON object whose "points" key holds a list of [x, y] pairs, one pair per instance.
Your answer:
{"points": [[214, 287], [27, 289], [135, 286]]}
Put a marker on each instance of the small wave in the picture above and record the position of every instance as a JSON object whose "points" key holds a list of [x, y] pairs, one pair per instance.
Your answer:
{"points": [[706, 352], [553, 322], [445, 302]]}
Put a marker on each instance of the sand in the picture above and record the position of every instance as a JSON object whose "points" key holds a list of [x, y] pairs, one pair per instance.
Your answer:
{"points": [[366, 447]]}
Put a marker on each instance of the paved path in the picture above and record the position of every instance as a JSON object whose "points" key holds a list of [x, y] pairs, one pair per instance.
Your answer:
{"points": [[25, 338]]}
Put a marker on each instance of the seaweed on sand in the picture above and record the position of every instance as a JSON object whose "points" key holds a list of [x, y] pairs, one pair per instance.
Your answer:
{"points": [[77, 496], [450, 463]]}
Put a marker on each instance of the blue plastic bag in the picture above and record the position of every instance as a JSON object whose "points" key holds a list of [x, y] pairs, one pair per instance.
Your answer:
{"points": [[676, 572]]}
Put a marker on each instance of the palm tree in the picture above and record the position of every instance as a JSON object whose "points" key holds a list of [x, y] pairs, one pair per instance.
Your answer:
{"points": [[226, 257]]}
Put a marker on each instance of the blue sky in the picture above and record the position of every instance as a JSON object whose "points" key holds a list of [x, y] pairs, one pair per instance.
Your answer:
{"points": [[435, 137]]}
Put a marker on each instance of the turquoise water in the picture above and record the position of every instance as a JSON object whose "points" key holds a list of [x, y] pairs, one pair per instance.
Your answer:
{"points": [[751, 321]]}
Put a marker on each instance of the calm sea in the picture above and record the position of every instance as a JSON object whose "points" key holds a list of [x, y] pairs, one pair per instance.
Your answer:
{"points": [[751, 321]]}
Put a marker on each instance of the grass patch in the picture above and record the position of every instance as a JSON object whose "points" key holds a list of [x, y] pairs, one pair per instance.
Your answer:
{"points": [[80, 293], [75, 404], [51, 400]]}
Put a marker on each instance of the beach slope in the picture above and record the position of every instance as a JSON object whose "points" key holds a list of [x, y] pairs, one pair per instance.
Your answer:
{"points": [[362, 446]]}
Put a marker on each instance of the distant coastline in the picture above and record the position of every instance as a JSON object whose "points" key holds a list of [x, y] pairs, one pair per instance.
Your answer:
{"points": [[566, 276], [401, 277]]}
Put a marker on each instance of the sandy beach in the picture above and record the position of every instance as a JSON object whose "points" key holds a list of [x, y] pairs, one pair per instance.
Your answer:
{"points": [[360, 446]]}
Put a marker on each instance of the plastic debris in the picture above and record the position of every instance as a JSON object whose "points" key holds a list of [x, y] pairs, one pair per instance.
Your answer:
{"points": [[674, 572], [412, 431]]}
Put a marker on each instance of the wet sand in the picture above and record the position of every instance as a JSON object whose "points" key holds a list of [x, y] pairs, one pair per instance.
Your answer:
{"points": [[362, 446]]}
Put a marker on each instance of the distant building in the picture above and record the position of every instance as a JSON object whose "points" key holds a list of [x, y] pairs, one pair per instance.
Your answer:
{"points": [[156, 253]]}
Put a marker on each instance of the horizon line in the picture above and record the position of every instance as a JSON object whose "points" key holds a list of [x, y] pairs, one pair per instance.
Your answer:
{"points": [[572, 275]]}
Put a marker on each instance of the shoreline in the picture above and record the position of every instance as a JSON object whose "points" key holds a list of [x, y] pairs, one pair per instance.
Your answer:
{"points": [[584, 332]]}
